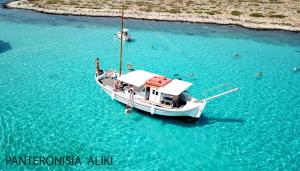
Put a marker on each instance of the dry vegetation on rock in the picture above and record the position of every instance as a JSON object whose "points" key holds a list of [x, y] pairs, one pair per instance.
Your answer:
{"points": [[256, 11]]}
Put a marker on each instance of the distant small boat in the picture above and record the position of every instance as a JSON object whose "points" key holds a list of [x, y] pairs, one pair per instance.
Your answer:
{"points": [[126, 36]]}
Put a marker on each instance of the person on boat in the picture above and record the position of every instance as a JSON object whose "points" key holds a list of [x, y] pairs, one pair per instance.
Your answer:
{"points": [[115, 77], [131, 92], [175, 101], [97, 62], [118, 85]]}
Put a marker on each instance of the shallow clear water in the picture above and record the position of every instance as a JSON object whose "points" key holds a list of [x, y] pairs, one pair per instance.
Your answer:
{"points": [[51, 105]]}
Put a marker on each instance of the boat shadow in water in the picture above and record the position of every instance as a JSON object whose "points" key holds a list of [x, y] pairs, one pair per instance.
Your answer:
{"points": [[204, 120], [4, 46], [131, 40], [185, 121]]}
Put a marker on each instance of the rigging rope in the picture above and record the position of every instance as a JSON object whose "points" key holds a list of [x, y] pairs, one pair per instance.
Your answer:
{"points": [[188, 58]]}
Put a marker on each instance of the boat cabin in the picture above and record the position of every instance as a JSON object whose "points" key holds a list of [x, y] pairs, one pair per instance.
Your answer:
{"points": [[155, 89], [126, 35], [125, 31]]}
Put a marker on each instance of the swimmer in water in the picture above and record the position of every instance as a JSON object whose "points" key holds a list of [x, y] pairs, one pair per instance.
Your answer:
{"points": [[237, 56], [259, 74], [191, 74]]}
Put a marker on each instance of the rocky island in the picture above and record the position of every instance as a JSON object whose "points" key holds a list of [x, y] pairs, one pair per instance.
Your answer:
{"points": [[258, 14]]}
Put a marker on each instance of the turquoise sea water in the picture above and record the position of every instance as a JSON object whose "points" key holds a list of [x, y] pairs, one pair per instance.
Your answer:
{"points": [[51, 105]]}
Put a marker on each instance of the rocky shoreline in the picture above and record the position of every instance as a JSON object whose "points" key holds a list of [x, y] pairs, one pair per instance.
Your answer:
{"points": [[248, 22]]}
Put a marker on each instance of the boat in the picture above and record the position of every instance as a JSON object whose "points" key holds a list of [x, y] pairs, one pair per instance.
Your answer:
{"points": [[150, 92], [124, 34]]}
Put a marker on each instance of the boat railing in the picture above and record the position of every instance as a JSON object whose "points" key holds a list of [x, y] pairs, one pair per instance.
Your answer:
{"points": [[156, 104]]}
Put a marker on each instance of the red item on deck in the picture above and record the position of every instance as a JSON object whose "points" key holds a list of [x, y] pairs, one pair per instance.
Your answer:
{"points": [[157, 81]]}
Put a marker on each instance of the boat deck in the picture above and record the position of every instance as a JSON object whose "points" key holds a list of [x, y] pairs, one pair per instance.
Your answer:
{"points": [[107, 81]]}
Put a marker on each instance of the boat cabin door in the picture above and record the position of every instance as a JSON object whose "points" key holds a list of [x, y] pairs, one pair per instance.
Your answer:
{"points": [[147, 93], [154, 95]]}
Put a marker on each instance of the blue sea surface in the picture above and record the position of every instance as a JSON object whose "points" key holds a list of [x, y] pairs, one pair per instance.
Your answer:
{"points": [[50, 104]]}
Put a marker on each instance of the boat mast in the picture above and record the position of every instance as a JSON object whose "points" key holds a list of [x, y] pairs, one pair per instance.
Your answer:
{"points": [[122, 25]]}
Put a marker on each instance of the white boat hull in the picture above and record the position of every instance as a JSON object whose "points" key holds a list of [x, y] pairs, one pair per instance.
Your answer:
{"points": [[125, 37], [195, 111]]}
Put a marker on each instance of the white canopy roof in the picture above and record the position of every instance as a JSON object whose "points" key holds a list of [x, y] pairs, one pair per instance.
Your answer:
{"points": [[125, 30], [136, 78], [175, 87]]}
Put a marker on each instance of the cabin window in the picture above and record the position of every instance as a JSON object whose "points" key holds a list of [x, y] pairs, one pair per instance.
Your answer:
{"points": [[168, 98], [156, 93], [153, 91]]}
